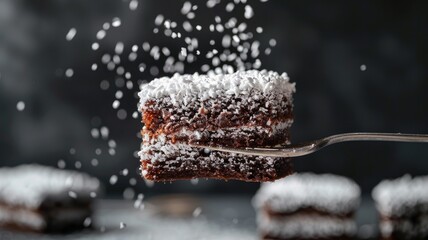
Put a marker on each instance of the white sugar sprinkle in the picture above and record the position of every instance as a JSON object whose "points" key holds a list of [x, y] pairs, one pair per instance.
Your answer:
{"points": [[249, 13], [363, 67], [69, 73], [112, 152], [187, 6], [61, 164], [116, 22], [122, 225], [113, 179], [272, 42], [124, 172], [119, 48], [128, 193], [72, 151], [95, 46], [94, 162], [230, 7], [133, 4], [121, 114], [70, 34], [20, 106], [101, 34], [72, 194], [87, 222], [159, 19], [197, 212], [115, 104], [78, 165], [98, 151], [106, 26]]}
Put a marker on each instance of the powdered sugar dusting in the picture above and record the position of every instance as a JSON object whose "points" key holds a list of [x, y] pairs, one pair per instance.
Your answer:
{"points": [[326, 192], [396, 197], [181, 87]]}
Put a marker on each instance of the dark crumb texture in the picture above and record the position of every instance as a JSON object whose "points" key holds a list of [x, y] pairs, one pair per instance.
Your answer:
{"points": [[405, 227], [161, 116], [236, 168]]}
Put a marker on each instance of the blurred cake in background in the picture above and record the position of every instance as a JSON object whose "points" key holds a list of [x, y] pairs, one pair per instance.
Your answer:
{"points": [[44, 199], [403, 207], [244, 109], [307, 206]]}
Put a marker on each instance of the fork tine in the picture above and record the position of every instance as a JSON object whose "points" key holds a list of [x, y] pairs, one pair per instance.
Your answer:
{"points": [[266, 152]]}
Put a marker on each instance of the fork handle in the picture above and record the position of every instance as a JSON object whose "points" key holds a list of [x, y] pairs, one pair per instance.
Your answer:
{"points": [[391, 137], [310, 147]]}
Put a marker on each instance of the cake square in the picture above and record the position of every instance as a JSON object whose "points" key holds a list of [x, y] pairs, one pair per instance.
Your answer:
{"points": [[402, 204], [44, 199], [244, 109], [307, 206]]}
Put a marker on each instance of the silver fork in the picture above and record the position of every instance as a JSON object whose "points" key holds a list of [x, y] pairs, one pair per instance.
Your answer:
{"points": [[296, 150]]}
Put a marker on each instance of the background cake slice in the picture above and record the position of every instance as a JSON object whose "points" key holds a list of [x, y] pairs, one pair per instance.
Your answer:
{"points": [[244, 109], [403, 207], [44, 199], [307, 206]]}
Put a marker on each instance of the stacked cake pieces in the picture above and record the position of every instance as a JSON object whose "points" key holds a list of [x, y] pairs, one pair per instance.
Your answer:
{"points": [[244, 109], [307, 206], [43, 199], [403, 207]]}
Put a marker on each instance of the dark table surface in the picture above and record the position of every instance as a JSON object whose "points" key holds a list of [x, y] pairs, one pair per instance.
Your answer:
{"points": [[214, 218]]}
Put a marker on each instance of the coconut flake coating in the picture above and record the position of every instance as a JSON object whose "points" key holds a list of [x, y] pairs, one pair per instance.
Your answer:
{"points": [[401, 196], [183, 89], [326, 192]]}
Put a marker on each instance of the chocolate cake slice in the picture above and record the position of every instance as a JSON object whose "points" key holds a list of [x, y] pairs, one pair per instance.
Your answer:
{"points": [[43, 199], [402, 204], [307, 206], [244, 109]]}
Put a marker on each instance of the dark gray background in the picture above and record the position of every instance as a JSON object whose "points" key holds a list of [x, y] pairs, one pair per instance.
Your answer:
{"points": [[321, 44]]}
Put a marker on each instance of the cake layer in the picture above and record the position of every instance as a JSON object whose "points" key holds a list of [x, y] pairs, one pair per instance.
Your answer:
{"points": [[402, 197], [326, 193], [305, 226], [160, 116], [306, 210], [232, 137], [179, 161], [196, 102], [404, 228]]}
